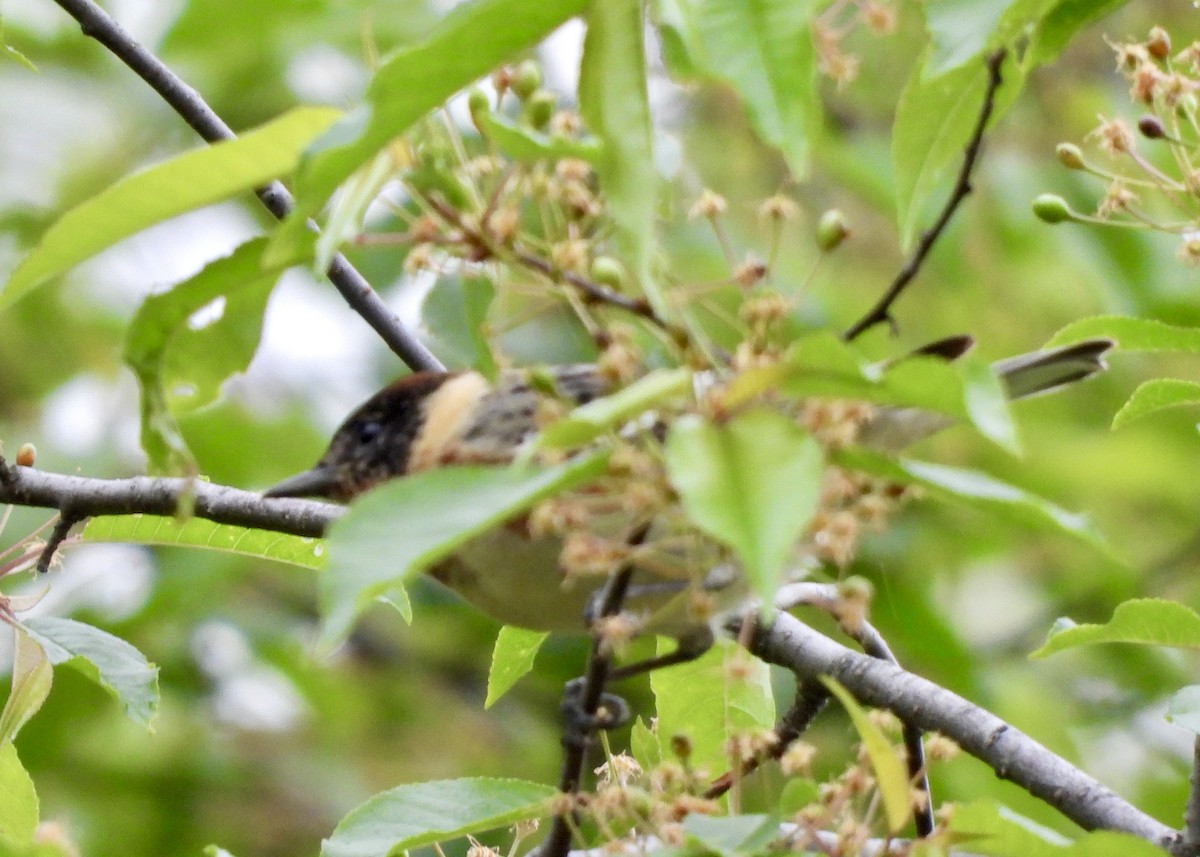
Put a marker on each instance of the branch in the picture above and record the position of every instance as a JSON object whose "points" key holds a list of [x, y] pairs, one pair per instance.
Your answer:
{"points": [[882, 311], [84, 497], [1191, 813], [203, 119], [1013, 755]]}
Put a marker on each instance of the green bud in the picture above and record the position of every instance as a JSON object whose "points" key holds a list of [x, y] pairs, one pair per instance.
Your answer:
{"points": [[527, 79], [1069, 156], [607, 271], [478, 105], [1052, 208], [832, 229], [540, 107]]}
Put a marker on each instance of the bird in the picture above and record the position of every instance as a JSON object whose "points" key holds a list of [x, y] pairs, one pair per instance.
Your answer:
{"points": [[428, 420]]}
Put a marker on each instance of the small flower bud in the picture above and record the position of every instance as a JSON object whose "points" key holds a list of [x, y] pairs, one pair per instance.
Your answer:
{"points": [[1069, 155], [539, 108], [478, 105], [1158, 43], [1151, 127], [1052, 208], [526, 79], [832, 229], [709, 204], [607, 271], [778, 207], [26, 455], [681, 747]]}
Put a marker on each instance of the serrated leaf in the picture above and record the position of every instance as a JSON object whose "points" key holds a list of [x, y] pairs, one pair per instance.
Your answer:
{"points": [[1157, 395], [109, 661], [467, 44], [890, 773], [997, 499], [184, 183], [403, 527], [587, 422], [19, 810], [512, 658], [1183, 708], [616, 107], [752, 483], [1146, 621], [199, 533], [1131, 334], [32, 676], [764, 51], [707, 702], [420, 814]]}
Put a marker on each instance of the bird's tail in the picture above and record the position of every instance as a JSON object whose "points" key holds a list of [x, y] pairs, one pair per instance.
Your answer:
{"points": [[1042, 371]]}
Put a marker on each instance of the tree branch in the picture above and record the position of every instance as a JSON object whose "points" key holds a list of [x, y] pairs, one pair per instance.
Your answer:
{"points": [[185, 101], [1013, 755], [1191, 813], [86, 497], [882, 311]]}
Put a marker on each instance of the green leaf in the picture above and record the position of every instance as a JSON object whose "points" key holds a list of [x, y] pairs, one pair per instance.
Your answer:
{"points": [[935, 118], [997, 499], [1183, 708], [455, 311], [764, 51], [109, 661], [346, 217], [521, 143], [32, 676], [890, 772], [180, 368], [1157, 395], [752, 483], [405, 526], [616, 107], [587, 422], [467, 44], [732, 835], [420, 814], [512, 658], [199, 533], [707, 702], [985, 827], [1062, 21], [19, 809], [1131, 334], [184, 183], [960, 30], [643, 745], [1148, 621]]}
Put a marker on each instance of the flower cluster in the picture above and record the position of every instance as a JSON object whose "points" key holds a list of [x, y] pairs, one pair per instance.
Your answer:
{"points": [[1150, 170]]}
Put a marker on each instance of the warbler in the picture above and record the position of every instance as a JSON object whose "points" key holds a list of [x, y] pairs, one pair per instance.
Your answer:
{"points": [[434, 419]]}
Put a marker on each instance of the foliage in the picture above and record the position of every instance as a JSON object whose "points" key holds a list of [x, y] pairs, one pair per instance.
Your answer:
{"points": [[679, 243]]}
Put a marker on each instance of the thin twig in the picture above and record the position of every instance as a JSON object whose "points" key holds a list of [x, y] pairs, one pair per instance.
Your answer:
{"points": [[62, 529], [592, 291], [576, 744], [882, 311], [185, 101]]}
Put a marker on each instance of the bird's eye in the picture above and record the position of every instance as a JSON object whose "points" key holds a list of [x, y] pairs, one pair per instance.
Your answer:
{"points": [[368, 431]]}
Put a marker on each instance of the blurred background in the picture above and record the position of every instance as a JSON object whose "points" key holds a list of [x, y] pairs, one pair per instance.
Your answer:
{"points": [[259, 747]]}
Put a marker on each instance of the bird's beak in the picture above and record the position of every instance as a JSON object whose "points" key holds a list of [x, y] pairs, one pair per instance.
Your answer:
{"points": [[317, 482]]}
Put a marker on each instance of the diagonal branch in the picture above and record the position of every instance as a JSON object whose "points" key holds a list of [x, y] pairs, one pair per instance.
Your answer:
{"points": [[185, 101], [1013, 755], [882, 311]]}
